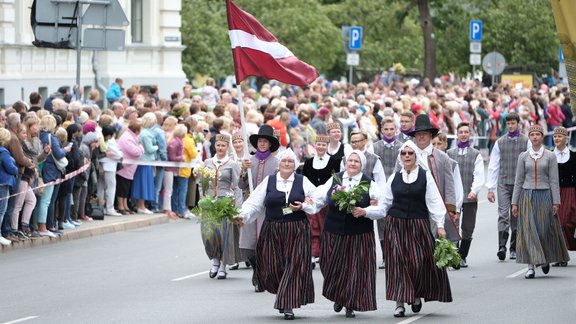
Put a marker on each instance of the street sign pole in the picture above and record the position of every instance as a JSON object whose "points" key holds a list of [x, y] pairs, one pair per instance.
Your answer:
{"points": [[351, 74], [78, 51]]}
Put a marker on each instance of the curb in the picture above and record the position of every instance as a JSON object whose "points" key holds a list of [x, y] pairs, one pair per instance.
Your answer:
{"points": [[94, 228]]}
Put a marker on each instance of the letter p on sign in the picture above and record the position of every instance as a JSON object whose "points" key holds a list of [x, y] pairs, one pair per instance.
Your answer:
{"points": [[476, 30], [355, 38]]}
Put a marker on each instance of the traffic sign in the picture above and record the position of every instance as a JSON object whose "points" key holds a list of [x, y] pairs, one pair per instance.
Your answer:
{"points": [[476, 30], [475, 59], [355, 38], [110, 15], [494, 63], [475, 47], [353, 59]]}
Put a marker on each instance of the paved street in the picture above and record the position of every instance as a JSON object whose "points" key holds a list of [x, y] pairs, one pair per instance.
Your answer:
{"points": [[158, 274]]}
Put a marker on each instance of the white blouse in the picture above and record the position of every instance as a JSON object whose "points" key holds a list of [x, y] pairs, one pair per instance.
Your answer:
{"points": [[562, 156], [434, 202], [253, 207], [372, 212]]}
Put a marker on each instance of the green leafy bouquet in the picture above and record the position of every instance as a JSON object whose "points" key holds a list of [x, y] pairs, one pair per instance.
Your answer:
{"points": [[214, 211], [446, 254], [345, 197]]}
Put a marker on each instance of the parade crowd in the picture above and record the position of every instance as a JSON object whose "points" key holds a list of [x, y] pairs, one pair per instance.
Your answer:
{"points": [[417, 153]]}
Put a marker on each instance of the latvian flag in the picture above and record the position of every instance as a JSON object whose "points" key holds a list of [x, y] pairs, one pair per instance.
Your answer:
{"points": [[257, 52]]}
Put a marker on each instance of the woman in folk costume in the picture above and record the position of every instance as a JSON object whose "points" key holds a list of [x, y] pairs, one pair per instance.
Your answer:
{"points": [[536, 203], [567, 177], [412, 201], [318, 170], [239, 194], [283, 250], [348, 249], [219, 240], [262, 164]]}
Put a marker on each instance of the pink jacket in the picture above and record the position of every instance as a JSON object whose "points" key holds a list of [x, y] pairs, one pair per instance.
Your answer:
{"points": [[555, 116], [175, 153], [130, 146]]}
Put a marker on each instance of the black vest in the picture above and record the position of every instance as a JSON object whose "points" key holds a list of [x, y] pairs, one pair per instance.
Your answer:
{"points": [[409, 199], [275, 200], [339, 222]]}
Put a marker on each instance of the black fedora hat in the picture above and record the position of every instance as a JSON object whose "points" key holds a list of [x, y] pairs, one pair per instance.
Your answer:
{"points": [[267, 132], [423, 125]]}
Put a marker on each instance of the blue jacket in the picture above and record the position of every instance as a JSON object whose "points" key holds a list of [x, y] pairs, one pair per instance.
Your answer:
{"points": [[150, 144], [49, 171], [162, 153], [114, 92], [8, 168]]}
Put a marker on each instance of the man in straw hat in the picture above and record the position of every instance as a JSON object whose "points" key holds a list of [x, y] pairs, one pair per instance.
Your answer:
{"points": [[318, 170], [262, 164], [502, 174]]}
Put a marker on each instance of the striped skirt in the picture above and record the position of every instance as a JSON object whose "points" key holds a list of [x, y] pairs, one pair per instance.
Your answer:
{"points": [[317, 227], [348, 264], [567, 215], [411, 272], [219, 243], [284, 263], [540, 239]]}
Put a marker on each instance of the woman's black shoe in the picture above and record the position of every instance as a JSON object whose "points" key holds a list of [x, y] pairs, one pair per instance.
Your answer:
{"points": [[417, 307], [212, 274], [546, 268], [350, 313], [337, 308], [399, 311], [234, 266], [289, 315]]}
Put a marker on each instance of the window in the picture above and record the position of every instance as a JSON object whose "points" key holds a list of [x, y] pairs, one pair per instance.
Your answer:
{"points": [[136, 22], [2, 103]]}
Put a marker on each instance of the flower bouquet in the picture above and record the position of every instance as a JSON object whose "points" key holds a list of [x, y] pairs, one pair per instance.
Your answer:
{"points": [[204, 176], [446, 254], [214, 211], [345, 197]]}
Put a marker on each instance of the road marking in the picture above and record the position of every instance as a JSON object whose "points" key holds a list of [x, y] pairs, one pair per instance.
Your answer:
{"points": [[516, 274], [190, 276], [21, 320], [412, 319]]}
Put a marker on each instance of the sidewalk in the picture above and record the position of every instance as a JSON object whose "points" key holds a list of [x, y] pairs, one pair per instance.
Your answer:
{"points": [[110, 224]]}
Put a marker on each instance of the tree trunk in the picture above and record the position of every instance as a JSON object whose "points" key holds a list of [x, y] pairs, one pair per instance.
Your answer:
{"points": [[429, 43]]}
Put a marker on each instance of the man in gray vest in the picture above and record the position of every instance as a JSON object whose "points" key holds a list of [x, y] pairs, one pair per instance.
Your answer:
{"points": [[471, 168], [502, 173], [406, 126], [387, 150]]}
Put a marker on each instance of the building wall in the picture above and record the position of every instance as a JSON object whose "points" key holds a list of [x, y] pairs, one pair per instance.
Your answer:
{"points": [[156, 60]]}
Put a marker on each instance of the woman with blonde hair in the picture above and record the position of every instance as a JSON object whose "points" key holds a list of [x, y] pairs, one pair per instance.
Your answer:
{"points": [[175, 154], [181, 179], [8, 173], [143, 186]]}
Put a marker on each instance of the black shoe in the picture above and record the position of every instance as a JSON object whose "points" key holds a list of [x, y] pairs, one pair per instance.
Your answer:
{"points": [[212, 274], [529, 274], [546, 268], [281, 311], [463, 263], [563, 264], [337, 308], [350, 313], [221, 275], [417, 307], [512, 255], [501, 253], [234, 266], [289, 315], [556, 264], [247, 263], [399, 311]]}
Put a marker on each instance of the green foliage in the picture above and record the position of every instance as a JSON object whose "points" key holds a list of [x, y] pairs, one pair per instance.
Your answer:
{"points": [[446, 254], [347, 198], [213, 212]]}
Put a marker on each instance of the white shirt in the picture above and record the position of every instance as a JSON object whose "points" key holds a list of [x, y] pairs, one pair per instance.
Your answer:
{"points": [[536, 154], [319, 163], [478, 175], [372, 212], [253, 207], [494, 167], [458, 187], [110, 164], [436, 208], [562, 156], [223, 160]]}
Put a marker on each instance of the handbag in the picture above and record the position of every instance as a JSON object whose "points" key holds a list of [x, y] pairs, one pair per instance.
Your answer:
{"points": [[94, 210], [60, 163]]}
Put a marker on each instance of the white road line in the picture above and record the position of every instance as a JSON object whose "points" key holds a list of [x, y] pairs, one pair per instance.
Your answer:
{"points": [[190, 276], [21, 320], [412, 319], [516, 274]]}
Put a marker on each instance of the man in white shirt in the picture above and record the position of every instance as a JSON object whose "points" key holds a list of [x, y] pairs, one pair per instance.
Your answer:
{"points": [[472, 174]]}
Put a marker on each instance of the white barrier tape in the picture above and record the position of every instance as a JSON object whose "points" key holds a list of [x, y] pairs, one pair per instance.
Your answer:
{"points": [[55, 182], [192, 164]]}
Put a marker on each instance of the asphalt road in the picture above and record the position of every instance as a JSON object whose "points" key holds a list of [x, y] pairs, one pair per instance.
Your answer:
{"points": [[159, 274]]}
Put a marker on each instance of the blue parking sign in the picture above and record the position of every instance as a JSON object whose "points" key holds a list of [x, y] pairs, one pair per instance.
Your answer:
{"points": [[476, 30], [355, 38]]}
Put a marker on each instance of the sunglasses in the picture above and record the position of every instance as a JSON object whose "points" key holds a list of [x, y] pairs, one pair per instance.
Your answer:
{"points": [[406, 153]]}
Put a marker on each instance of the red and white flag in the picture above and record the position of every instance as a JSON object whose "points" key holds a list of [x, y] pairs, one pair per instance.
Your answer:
{"points": [[257, 52]]}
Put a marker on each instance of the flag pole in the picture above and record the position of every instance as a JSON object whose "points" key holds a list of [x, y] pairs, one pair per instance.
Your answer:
{"points": [[244, 135]]}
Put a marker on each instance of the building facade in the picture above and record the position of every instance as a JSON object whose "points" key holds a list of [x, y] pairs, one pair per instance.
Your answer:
{"points": [[152, 53]]}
